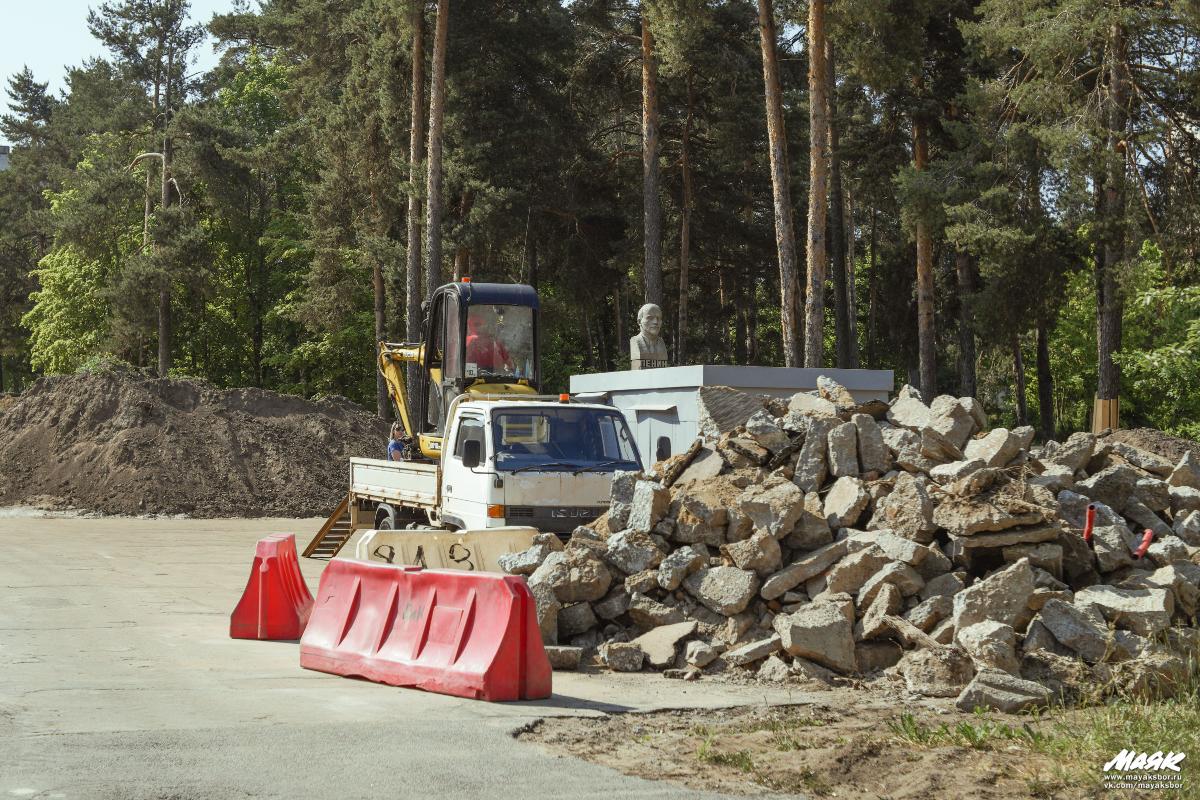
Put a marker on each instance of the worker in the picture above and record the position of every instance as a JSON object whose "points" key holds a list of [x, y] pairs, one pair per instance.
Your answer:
{"points": [[484, 350], [395, 448]]}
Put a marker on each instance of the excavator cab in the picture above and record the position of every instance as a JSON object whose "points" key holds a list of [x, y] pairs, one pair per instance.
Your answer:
{"points": [[479, 339]]}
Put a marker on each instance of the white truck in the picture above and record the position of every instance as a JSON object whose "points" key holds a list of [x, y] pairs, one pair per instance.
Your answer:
{"points": [[512, 461]]}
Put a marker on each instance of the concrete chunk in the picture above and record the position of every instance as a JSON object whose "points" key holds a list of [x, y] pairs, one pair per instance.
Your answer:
{"points": [[803, 569], [754, 651], [845, 503], [842, 444], [819, 632], [659, 644], [622, 656], [998, 690], [1146, 612], [724, 590], [1002, 597], [995, 449]]}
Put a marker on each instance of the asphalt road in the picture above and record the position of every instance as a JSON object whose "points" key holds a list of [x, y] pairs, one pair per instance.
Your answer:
{"points": [[118, 680]]}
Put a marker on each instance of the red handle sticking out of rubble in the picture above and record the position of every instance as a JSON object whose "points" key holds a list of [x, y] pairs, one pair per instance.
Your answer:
{"points": [[1147, 538], [1089, 523]]}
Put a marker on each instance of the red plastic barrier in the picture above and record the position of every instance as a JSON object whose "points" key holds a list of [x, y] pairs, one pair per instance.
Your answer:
{"points": [[469, 634], [1089, 523], [276, 603], [1147, 538]]}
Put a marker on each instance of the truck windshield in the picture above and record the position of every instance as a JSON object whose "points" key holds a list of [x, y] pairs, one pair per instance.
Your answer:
{"points": [[563, 439], [499, 342]]}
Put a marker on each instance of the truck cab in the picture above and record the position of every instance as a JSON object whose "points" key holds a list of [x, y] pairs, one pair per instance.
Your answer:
{"points": [[541, 464]]}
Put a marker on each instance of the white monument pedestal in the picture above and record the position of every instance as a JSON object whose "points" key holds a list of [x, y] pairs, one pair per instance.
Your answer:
{"points": [[662, 406]]}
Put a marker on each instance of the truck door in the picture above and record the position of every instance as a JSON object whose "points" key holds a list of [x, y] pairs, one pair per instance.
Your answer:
{"points": [[465, 492]]}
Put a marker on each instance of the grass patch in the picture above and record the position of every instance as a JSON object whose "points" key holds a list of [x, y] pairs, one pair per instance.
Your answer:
{"points": [[739, 759], [1080, 741]]}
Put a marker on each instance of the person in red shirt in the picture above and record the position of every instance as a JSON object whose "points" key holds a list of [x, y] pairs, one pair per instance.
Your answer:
{"points": [[484, 350]]}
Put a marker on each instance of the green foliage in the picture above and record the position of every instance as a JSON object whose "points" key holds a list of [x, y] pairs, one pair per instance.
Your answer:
{"points": [[68, 321]]}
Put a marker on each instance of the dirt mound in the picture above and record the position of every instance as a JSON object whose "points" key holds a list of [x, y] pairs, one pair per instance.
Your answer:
{"points": [[119, 442], [1155, 441]]}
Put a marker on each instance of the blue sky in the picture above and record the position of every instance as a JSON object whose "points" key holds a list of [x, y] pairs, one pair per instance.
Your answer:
{"points": [[50, 35]]}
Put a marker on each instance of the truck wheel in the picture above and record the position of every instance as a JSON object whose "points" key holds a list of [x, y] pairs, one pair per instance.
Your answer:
{"points": [[384, 520]]}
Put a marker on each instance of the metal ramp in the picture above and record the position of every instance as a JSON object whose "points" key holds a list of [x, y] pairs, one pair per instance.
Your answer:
{"points": [[333, 535]]}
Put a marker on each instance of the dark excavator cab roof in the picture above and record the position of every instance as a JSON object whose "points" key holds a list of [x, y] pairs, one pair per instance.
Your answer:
{"points": [[497, 294]]}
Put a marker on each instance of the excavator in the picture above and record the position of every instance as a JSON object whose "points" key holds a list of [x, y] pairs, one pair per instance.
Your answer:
{"points": [[478, 339], [488, 462]]}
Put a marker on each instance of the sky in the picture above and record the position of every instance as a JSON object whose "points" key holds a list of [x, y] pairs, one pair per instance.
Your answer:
{"points": [[50, 35]]}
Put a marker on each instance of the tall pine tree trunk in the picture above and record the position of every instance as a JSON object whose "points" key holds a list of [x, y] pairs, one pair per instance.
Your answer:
{"points": [[416, 157], [1045, 382], [851, 279], [785, 237], [964, 270], [685, 225], [1019, 377], [873, 291], [1109, 303], [433, 184], [837, 222], [818, 186], [926, 341], [651, 202], [164, 294]]}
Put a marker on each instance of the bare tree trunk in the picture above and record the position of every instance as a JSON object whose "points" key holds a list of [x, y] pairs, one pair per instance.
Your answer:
{"points": [[651, 202], [818, 186], [785, 238], [416, 155], [851, 280], [964, 270], [926, 340], [433, 184], [837, 221], [873, 292], [1109, 302], [1045, 382], [1019, 376], [619, 312], [462, 262], [164, 294], [685, 225]]}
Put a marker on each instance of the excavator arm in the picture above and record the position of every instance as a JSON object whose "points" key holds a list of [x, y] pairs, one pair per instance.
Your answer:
{"points": [[392, 358]]}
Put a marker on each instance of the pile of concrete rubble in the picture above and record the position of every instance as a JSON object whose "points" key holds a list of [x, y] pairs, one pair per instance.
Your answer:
{"points": [[820, 538]]}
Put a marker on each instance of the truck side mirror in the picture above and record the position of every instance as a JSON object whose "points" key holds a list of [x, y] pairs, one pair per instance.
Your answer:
{"points": [[472, 453]]}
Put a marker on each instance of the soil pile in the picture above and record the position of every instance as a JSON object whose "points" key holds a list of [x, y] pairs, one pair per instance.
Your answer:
{"points": [[119, 442], [1172, 448]]}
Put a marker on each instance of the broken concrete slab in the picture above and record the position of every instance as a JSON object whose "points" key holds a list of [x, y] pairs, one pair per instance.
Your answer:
{"points": [[725, 590], [660, 644], [1002, 597], [1186, 472], [993, 689], [753, 651], [996, 449], [842, 450], [1146, 612], [873, 452], [650, 503], [819, 632], [803, 569], [812, 464], [564, 658], [991, 645], [622, 656], [678, 565], [760, 553], [845, 502], [907, 511], [774, 507], [936, 671]]}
